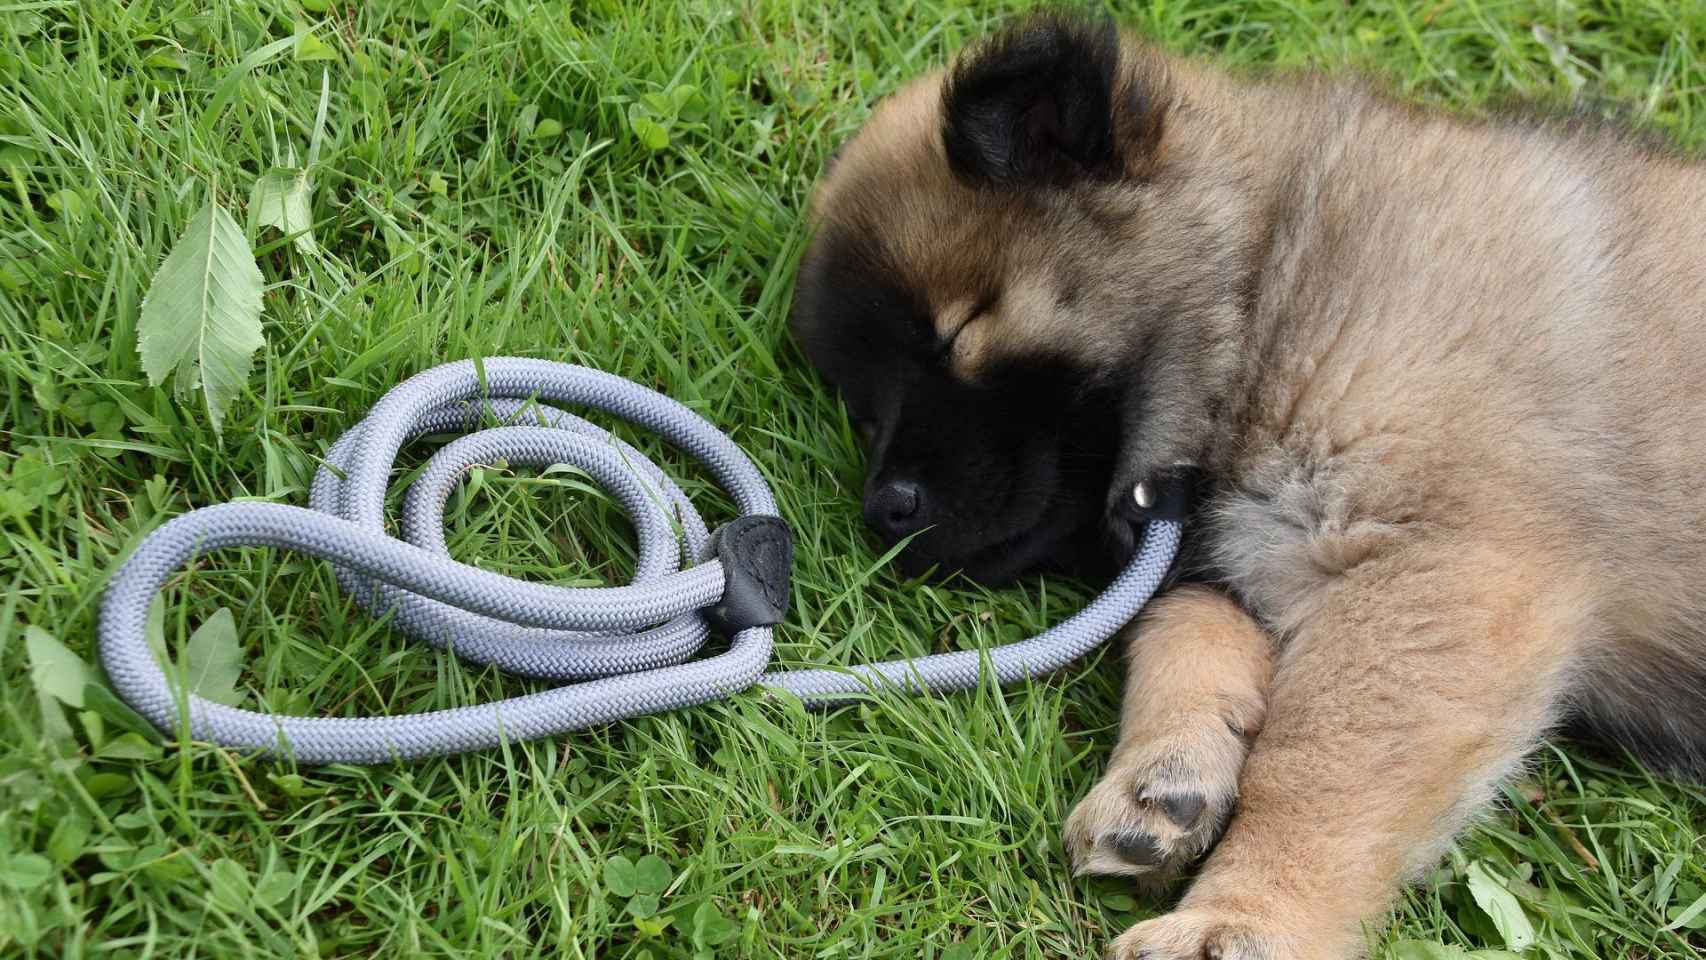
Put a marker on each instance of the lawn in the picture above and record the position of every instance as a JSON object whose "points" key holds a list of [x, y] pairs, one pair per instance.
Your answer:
{"points": [[617, 184]]}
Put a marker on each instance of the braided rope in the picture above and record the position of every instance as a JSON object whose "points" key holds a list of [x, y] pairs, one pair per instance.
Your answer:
{"points": [[628, 646]]}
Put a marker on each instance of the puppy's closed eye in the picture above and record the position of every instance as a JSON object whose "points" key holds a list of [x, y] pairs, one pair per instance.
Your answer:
{"points": [[961, 346]]}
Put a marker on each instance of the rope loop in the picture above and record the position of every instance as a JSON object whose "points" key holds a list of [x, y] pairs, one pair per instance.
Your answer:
{"points": [[628, 650]]}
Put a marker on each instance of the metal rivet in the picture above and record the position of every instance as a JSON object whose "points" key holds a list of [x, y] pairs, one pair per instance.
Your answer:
{"points": [[1143, 496]]}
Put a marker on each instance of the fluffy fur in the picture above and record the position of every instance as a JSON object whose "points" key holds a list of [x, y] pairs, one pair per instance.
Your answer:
{"points": [[1441, 375]]}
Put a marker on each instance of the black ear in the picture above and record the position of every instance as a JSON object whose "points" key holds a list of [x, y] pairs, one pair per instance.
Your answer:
{"points": [[1036, 102]]}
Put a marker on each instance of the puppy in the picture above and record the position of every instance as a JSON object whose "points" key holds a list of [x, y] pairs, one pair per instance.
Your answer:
{"points": [[1441, 380]]}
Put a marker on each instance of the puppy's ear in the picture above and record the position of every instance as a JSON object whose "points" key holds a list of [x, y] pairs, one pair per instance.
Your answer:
{"points": [[1045, 100]]}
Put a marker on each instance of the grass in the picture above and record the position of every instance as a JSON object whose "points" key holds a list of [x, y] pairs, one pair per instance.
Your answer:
{"points": [[481, 187]]}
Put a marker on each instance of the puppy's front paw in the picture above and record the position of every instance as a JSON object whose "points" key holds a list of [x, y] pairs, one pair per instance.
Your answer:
{"points": [[1203, 935], [1161, 804]]}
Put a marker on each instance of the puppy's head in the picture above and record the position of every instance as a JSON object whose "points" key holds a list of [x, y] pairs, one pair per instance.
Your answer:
{"points": [[1014, 284]]}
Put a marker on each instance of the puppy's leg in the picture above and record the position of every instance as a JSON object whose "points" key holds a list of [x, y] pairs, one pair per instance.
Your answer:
{"points": [[1198, 671], [1394, 711]]}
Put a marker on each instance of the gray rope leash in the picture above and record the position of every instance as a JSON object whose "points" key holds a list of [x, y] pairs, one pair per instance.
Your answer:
{"points": [[629, 646]]}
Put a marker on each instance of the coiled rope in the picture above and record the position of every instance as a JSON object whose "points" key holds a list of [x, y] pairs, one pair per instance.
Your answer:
{"points": [[630, 646]]}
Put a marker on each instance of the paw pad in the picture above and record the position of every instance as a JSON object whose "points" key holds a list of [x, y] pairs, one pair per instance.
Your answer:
{"points": [[1160, 806], [1138, 849], [1182, 808]]}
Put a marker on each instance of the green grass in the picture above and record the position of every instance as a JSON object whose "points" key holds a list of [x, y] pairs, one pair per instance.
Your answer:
{"points": [[480, 189]]}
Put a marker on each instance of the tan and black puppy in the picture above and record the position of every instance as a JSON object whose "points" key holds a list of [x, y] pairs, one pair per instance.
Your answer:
{"points": [[1443, 381]]}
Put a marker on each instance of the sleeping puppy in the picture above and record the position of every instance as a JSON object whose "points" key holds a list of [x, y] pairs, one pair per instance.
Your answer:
{"points": [[1441, 380]]}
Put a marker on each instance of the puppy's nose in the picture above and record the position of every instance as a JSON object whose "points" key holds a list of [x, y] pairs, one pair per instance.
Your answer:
{"points": [[895, 508]]}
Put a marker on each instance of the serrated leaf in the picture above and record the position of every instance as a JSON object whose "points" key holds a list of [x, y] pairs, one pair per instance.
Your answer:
{"points": [[651, 874], [201, 317], [280, 199], [213, 659], [54, 669], [1501, 906]]}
